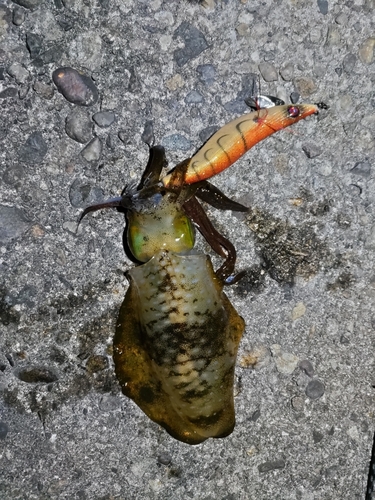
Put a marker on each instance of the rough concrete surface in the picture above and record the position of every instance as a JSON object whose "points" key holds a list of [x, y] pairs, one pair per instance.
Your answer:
{"points": [[305, 370]]}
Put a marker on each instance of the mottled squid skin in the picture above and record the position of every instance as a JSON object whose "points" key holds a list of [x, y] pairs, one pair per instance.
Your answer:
{"points": [[175, 346]]}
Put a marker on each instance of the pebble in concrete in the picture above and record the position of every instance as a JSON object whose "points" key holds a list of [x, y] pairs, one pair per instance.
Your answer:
{"points": [[13, 223], [4, 429], [34, 149], [78, 126], [311, 150], [18, 72], [104, 119], [315, 389], [44, 90], [194, 40], [193, 97], [148, 133], [271, 465], [287, 72], [93, 150], [81, 193], [349, 62], [34, 44], [268, 72], [294, 97], [75, 87], [164, 458], [18, 16], [29, 4], [305, 86], [176, 142], [362, 168], [323, 7], [306, 367], [206, 73], [298, 311], [366, 50], [9, 92], [285, 362]]}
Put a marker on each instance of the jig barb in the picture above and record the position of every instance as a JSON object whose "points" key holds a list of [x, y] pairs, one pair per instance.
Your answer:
{"points": [[233, 140]]}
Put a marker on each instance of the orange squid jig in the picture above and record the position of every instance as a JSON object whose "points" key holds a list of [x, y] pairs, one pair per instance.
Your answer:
{"points": [[233, 140], [177, 334]]}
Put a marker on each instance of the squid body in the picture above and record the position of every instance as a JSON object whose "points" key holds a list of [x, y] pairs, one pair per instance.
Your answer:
{"points": [[177, 334]]}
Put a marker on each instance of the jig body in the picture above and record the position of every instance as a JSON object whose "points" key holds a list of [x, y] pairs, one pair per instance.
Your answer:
{"points": [[177, 334], [233, 140]]}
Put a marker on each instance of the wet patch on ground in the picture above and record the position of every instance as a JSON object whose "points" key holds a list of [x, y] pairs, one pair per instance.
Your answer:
{"points": [[288, 251]]}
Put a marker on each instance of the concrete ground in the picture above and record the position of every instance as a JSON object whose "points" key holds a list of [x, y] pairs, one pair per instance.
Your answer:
{"points": [[305, 370]]}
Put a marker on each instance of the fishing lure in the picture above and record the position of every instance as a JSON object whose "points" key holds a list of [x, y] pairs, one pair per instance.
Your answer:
{"points": [[177, 334], [233, 140]]}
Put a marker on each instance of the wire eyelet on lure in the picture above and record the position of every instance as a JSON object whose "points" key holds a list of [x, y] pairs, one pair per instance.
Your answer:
{"points": [[177, 334], [263, 101]]}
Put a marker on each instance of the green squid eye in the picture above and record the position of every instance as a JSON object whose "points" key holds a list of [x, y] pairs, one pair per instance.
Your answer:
{"points": [[137, 241], [146, 236]]}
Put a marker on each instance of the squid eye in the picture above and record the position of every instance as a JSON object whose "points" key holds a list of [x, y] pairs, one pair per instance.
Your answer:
{"points": [[293, 111]]}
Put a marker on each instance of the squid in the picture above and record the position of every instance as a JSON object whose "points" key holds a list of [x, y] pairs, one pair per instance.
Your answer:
{"points": [[177, 334]]}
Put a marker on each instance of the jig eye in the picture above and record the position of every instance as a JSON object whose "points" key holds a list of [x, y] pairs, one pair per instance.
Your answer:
{"points": [[293, 111]]}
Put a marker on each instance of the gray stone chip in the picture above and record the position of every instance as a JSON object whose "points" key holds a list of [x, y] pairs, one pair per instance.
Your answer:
{"points": [[294, 97], [287, 72], [34, 44], [271, 465], [164, 458], [93, 150], [36, 375], [29, 4], [13, 223], [311, 150], [194, 40], [148, 133], [193, 97], [236, 107], [44, 90], [175, 142], [34, 149], [206, 73], [18, 72], [3, 430], [78, 126], [323, 7], [18, 16], [9, 92], [14, 174], [268, 71], [104, 119], [306, 367], [81, 193], [362, 168], [349, 62]]}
